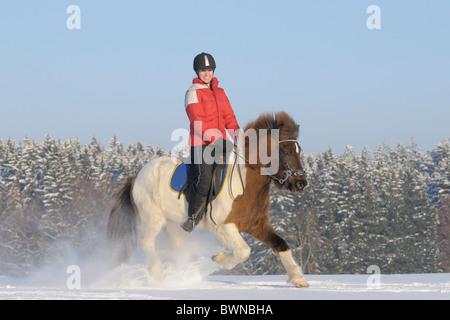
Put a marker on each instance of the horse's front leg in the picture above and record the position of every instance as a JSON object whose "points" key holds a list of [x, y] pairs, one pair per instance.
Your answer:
{"points": [[230, 237], [295, 275], [266, 234]]}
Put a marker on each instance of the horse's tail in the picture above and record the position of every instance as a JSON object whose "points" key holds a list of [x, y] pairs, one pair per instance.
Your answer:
{"points": [[122, 225]]}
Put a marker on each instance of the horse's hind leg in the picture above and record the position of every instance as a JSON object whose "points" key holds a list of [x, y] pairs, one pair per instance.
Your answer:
{"points": [[230, 237], [151, 226], [178, 240]]}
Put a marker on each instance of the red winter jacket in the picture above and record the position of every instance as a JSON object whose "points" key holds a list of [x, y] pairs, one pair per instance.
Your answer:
{"points": [[209, 112]]}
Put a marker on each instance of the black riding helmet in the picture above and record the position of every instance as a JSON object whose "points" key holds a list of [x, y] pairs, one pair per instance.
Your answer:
{"points": [[204, 61]]}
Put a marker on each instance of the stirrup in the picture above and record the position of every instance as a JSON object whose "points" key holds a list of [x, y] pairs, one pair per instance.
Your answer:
{"points": [[189, 225]]}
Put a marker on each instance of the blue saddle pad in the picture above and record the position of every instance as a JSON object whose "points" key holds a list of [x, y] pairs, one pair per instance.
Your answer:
{"points": [[179, 176]]}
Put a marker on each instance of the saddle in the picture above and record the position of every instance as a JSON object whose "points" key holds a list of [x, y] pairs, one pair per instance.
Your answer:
{"points": [[180, 183]]}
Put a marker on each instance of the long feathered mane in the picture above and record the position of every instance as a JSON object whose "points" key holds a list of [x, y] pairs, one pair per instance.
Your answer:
{"points": [[281, 121]]}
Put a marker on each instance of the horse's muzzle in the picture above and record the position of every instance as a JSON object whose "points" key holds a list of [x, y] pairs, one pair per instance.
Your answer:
{"points": [[301, 184]]}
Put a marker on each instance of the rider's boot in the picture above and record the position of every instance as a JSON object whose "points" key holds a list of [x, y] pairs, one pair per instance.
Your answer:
{"points": [[196, 205]]}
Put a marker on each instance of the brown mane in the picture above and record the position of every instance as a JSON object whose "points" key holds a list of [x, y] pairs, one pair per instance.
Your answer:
{"points": [[280, 121]]}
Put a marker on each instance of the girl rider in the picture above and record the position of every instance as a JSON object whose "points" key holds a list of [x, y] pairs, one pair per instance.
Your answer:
{"points": [[210, 115]]}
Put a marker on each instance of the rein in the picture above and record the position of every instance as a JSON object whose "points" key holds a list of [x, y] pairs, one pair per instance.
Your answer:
{"points": [[240, 176]]}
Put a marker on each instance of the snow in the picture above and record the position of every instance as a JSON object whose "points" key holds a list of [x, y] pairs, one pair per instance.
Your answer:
{"points": [[132, 282], [187, 275]]}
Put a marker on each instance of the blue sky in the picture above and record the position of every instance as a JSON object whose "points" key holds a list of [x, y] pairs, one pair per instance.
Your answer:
{"points": [[125, 72]]}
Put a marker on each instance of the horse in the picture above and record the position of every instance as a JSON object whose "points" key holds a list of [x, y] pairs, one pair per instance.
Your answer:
{"points": [[145, 205]]}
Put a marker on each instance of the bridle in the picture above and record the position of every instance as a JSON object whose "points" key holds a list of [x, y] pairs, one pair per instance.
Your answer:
{"points": [[288, 172]]}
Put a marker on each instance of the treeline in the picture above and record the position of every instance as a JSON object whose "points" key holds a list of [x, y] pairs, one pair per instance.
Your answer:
{"points": [[389, 209]]}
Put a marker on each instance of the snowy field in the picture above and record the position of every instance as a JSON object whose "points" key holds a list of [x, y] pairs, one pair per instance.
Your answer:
{"points": [[187, 276], [133, 282]]}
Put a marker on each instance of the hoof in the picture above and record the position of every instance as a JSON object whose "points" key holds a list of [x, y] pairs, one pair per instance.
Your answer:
{"points": [[301, 284], [219, 257]]}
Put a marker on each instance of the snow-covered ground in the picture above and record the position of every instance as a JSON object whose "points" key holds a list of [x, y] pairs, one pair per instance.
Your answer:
{"points": [[187, 276], [133, 282]]}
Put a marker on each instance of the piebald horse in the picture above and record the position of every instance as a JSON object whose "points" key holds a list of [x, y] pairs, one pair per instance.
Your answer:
{"points": [[145, 204]]}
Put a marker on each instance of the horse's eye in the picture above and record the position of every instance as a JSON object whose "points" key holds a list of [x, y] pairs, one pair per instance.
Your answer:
{"points": [[285, 152]]}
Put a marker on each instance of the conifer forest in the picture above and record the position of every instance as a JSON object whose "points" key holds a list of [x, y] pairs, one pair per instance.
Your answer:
{"points": [[388, 207]]}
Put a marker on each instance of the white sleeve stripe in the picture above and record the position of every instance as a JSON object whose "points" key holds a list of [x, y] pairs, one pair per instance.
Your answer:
{"points": [[191, 97], [191, 94]]}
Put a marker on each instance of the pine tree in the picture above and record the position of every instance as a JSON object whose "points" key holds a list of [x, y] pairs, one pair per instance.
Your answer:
{"points": [[92, 161], [11, 177], [116, 162], [418, 218], [326, 204], [444, 233], [30, 164], [306, 223], [440, 182]]}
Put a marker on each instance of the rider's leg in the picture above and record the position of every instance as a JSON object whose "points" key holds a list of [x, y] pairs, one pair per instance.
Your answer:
{"points": [[200, 175]]}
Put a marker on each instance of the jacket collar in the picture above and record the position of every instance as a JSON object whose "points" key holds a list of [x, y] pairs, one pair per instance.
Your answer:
{"points": [[214, 82]]}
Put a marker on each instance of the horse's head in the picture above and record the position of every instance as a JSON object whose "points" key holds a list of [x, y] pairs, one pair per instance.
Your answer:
{"points": [[282, 133], [291, 174]]}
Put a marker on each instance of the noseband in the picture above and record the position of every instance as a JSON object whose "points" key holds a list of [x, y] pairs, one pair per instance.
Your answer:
{"points": [[288, 172]]}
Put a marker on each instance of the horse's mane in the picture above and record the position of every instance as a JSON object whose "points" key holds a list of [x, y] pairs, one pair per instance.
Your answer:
{"points": [[287, 127]]}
